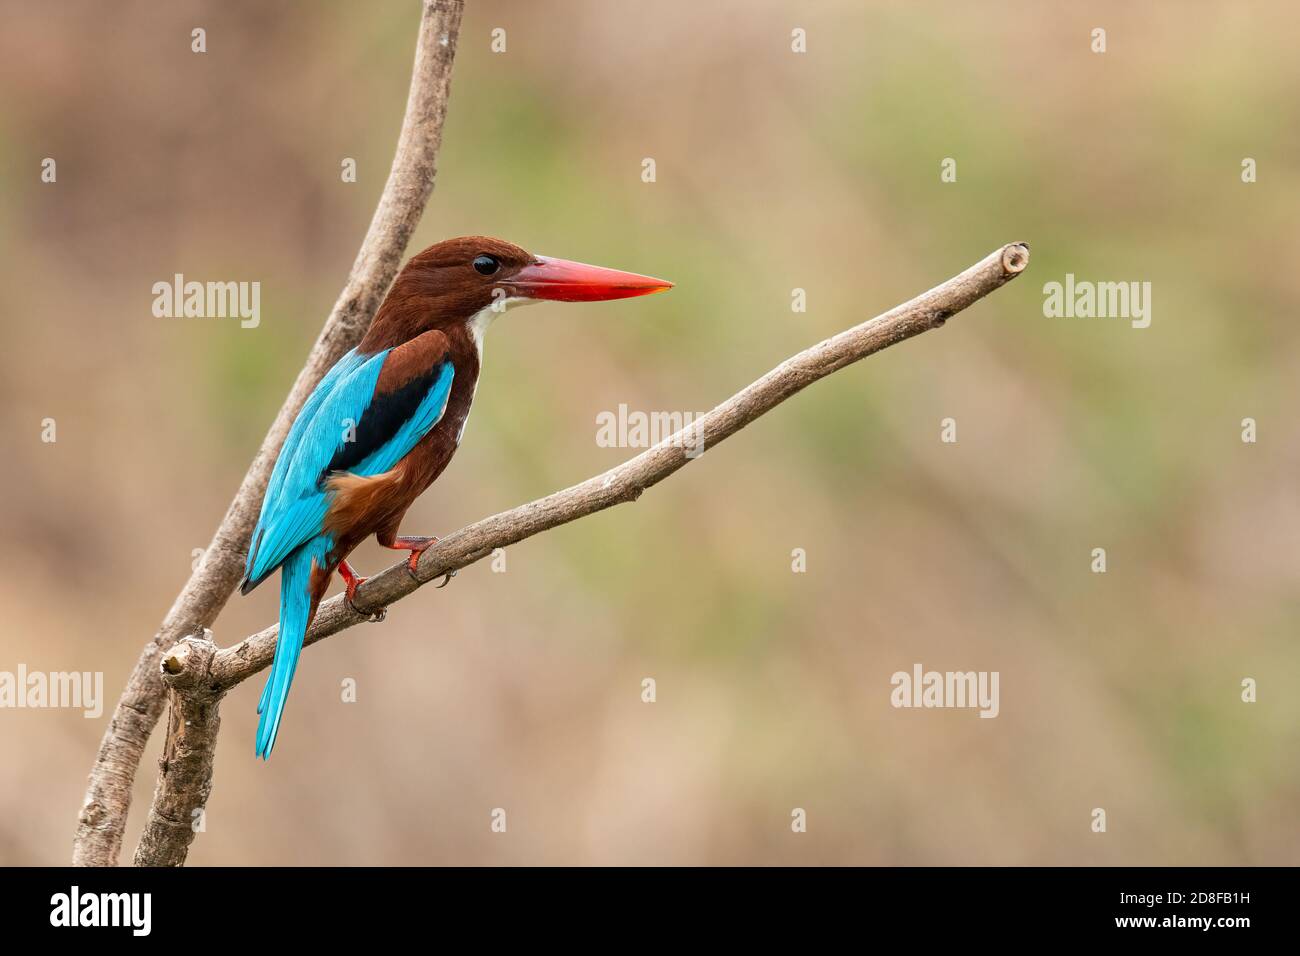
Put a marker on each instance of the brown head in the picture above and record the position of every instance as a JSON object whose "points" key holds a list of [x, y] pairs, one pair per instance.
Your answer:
{"points": [[467, 282]]}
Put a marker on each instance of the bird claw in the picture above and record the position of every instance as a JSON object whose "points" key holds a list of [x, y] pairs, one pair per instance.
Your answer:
{"points": [[372, 617], [446, 579]]}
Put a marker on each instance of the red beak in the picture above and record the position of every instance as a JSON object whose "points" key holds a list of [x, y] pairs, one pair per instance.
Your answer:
{"points": [[563, 281]]}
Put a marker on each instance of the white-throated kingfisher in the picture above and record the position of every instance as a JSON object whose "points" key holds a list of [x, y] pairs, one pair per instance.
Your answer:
{"points": [[386, 419]]}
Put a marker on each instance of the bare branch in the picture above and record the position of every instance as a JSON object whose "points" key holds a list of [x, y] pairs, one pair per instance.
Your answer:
{"points": [[185, 775], [108, 797], [627, 481]]}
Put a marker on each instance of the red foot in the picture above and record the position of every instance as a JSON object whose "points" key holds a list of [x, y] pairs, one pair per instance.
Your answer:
{"points": [[352, 580], [416, 544]]}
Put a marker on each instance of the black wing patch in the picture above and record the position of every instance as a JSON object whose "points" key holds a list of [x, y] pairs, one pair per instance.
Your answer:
{"points": [[387, 413]]}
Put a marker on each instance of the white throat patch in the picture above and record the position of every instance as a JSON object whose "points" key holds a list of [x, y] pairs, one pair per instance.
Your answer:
{"points": [[480, 320]]}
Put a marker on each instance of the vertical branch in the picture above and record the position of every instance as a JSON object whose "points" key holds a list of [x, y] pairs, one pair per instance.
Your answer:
{"points": [[185, 772], [102, 819]]}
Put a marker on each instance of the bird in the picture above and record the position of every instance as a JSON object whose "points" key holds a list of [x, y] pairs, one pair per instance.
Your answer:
{"points": [[386, 419]]}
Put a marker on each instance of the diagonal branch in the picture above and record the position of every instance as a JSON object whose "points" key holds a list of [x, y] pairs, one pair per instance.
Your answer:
{"points": [[108, 796], [627, 481]]}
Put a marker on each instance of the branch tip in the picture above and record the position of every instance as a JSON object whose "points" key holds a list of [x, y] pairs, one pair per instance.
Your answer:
{"points": [[174, 663], [1015, 258]]}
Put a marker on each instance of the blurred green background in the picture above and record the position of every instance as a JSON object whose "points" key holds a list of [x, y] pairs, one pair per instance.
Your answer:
{"points": [[775, 171]]}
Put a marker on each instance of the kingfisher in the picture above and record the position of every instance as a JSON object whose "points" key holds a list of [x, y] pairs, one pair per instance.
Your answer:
{"points": [[385, 421]]}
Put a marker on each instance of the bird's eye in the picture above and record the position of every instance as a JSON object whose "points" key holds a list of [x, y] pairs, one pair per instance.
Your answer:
{"points": [[486, 265]]}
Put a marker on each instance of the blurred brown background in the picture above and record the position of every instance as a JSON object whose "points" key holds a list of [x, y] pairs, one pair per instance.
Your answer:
{"points": [[775, 171]]}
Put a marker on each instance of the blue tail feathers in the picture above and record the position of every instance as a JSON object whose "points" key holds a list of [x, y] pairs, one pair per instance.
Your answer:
{"points": [[295, 610]]}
